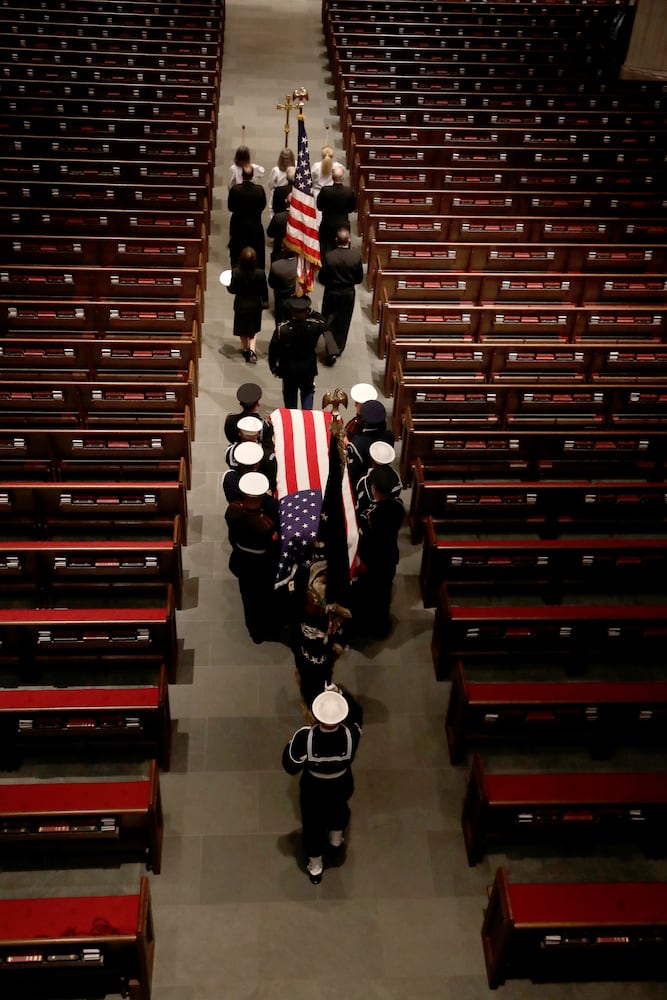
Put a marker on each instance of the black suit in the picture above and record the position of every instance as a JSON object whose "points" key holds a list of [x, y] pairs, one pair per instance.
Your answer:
{"points": [[246, 201], [335, 202], [342, 269], [282, 279]]}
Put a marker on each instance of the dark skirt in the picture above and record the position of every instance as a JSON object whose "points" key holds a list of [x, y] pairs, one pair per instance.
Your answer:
{"points": [[248, 321]]}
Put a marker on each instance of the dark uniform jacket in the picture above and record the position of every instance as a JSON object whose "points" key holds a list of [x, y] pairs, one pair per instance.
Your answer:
{"points": [[292, 348], [325, 751]]}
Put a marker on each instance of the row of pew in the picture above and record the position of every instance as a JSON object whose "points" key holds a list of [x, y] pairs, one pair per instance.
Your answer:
{"points": [[107, 140], [512, 212]]}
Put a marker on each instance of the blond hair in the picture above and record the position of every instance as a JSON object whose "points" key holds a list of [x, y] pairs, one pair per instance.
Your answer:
{"points": [[327, 161]]}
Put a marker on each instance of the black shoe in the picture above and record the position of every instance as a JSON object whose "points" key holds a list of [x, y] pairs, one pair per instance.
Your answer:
{"points": [[330, 360], [315, 879], [252, 358]]}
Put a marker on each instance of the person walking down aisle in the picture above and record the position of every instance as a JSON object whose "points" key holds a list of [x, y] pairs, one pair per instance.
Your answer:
{"points": [[246, 202], [342, 269], [378, 556], [323, 753], [292, 356], [252, 524], [335, 201], [278, 173], [251, 296], [241, 160]]}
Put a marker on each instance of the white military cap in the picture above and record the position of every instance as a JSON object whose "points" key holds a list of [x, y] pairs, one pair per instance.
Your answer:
{"points": [[247, 453], [329, 708], [249, 425], [382, 453], [254, 484], [362, 392]]}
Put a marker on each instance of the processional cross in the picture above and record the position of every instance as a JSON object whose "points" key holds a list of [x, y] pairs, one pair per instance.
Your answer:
{"points": [[293, 101]]}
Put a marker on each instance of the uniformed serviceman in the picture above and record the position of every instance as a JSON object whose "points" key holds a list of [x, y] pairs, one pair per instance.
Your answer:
{"points": [[323, 753], [360, 393], [253, 528], [249, 395], [251, 430], [373, 427], [381, 454], [246, 456], [292, 353], [378, 556]]}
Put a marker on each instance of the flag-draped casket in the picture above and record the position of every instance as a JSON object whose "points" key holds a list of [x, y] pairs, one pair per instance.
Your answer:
{"points": [[303, 456]]}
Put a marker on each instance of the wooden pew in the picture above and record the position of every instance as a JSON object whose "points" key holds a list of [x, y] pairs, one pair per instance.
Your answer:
{"points": [[112, 72], [33, 637], [549, 454], [40, 358], [77, 820], [30, 105], [78, 945], [107, 251], [561, 323], [539, 403], [82, 147], [41, 567], [551, 507], [389, 258], [574, 931], [120, 223], [120, 319], [171, 286], [509, 287], [476, 109], [44, 195], [600, 715], [72, 508], [96, 403], [481, 225], [195, 20], [89, 171], [103, 451], [38, 723], [550, 565], [563, 809], [410, 362], [572, 634]]}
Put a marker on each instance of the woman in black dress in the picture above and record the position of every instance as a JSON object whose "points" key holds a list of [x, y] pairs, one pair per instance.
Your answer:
{"points": [[251, 295]]}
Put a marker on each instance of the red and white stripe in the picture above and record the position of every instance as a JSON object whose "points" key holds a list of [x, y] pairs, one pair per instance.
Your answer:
{"points": [[301, 439]]}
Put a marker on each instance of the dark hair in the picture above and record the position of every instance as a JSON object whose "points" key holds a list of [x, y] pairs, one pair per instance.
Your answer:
{"points": [[286, 158], [241, 156], [247, 259], [247, 172]]}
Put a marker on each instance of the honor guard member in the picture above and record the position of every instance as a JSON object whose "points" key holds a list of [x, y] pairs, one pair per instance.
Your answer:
{"points": [[248, 395], [373, 417], [246, 456], [292, 353], [250, 430], [360, 393], [381, 454], [252, 524], [378, 554], [323, 753]]}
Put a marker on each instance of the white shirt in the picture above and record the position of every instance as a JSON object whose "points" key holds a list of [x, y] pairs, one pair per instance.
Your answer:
{"points": [[236, 173]]}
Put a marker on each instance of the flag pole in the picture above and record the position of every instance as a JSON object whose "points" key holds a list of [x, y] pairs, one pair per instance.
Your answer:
{"points": [[302, 230]]}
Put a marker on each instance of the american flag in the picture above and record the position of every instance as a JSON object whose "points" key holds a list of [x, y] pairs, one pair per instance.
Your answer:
{"points": [[301, 439], [302, 235]]}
